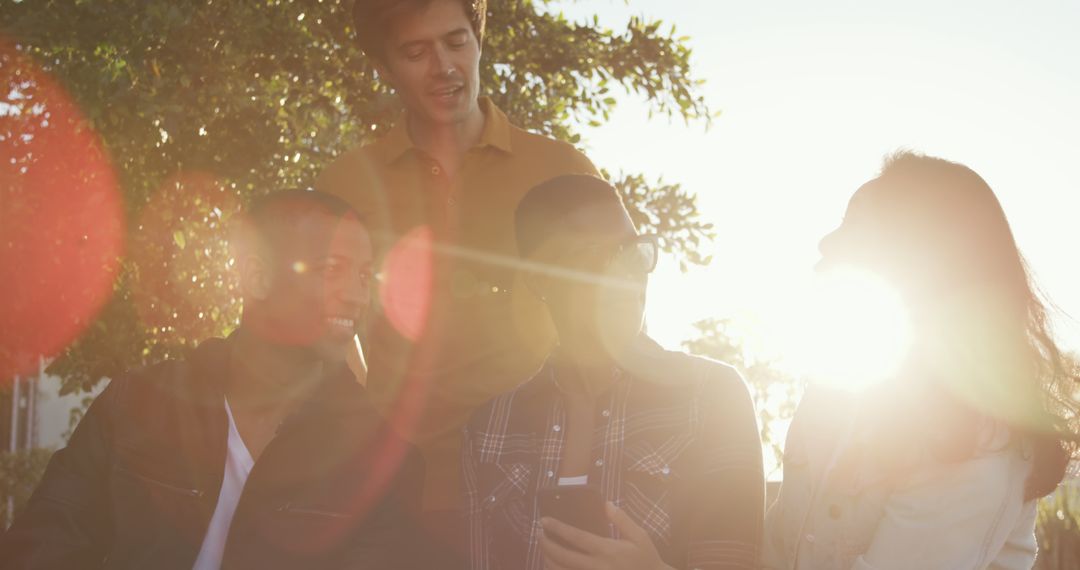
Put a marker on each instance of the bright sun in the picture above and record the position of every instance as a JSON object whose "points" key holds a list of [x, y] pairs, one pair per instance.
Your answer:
{"points": [[848, 329]]}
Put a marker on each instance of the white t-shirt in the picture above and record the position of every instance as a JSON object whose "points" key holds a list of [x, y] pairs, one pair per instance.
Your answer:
{"points": [[238, 464]]}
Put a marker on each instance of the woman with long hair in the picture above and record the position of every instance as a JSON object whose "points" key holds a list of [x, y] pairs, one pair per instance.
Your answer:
{"points": [[940, 466]]}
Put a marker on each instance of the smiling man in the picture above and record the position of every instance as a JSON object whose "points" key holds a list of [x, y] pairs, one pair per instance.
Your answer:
{"points": [[455, 326], [256, 451]]}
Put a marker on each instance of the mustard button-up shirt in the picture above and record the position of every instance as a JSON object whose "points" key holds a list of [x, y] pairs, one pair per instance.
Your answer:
{"points": [[455, 324]]}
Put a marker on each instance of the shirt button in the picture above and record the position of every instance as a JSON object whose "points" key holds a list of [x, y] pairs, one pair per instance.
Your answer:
{"points": [[666, 470], [550, 473], [810, 538], [599, 463], [606, 413], [436, 170], [491, 499], [557, 428]]}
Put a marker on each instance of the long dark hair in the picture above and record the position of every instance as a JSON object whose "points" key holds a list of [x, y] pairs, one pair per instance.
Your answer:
{"points": [[942, 235]]}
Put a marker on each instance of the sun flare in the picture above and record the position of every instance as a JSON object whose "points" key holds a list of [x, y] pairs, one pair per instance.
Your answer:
{"points": [[849, 330]]}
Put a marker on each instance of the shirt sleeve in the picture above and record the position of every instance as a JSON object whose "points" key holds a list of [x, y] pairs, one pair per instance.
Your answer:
{"points": [[775, 549], [789, 507], [67, 522], [479, 554], [351, 177], [581, 164], [958, 516], [729, 495]]}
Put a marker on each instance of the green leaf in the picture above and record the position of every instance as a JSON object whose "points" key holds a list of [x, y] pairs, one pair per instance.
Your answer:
{"points": [[178, 239]]}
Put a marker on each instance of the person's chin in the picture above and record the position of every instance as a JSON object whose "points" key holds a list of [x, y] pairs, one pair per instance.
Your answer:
{"points": [[444, 116], [334, 350], [448, 114]]}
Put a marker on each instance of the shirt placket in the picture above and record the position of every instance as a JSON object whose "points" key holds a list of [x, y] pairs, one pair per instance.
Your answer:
{"points": [[437, 185], [446, 198], [551, 449], [611, 421], [551, 452]]}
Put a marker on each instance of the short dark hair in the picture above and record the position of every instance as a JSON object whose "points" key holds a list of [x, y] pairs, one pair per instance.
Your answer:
{"points": [[372, 19], [545, 207], [270, 218]]}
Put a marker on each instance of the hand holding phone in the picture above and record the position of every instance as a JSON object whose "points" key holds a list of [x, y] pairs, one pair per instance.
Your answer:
{"points": [[566, 546], [580, 506]]}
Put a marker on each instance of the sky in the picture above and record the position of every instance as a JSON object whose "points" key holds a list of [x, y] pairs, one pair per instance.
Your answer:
{"points": [[813, 95]]}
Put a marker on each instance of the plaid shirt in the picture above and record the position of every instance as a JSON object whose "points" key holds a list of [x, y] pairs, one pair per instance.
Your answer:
{"points": [[675, 445]]}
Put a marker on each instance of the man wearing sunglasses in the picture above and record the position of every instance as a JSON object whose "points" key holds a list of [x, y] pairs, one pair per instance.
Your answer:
{"points": [[659, 449]]}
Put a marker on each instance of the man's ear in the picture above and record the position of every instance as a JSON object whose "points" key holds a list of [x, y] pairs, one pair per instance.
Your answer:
{"points": [[539, 283], [255, 277], [252, 268], [382, 72]]}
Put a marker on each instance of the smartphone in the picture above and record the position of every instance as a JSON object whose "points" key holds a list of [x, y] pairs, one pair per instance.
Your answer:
{"points": [[580, 506]]}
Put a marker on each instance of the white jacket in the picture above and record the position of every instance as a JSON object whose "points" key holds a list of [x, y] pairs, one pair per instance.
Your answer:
{"points": [[969, 515]]}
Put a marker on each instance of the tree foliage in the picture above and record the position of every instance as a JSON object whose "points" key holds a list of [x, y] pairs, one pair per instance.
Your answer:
{"points": [[668, 211], [19, 474], [1058, 528], [201, 104]]}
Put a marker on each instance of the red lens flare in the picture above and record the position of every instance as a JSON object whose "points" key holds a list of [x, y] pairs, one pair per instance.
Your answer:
{"points": [[405, 291], [61, 217]]}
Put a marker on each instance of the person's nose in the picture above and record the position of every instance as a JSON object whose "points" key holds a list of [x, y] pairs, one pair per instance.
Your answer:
{"points": [[827, 244], [439, 65], [354, 291], [361, 291]]}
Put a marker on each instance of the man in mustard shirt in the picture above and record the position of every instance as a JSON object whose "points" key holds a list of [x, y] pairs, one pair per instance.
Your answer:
{"points": [[455, 325]]}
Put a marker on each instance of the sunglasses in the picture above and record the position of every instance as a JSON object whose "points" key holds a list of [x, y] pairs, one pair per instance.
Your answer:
{"points": [[635, 256]]}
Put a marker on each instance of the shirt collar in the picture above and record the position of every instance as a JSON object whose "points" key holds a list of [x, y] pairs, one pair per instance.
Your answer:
{"points": [[546, 381], [646, 361], [496, 133]]}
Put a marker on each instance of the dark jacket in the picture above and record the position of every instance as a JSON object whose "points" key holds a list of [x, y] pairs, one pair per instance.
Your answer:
{"points": [[139, 480]]}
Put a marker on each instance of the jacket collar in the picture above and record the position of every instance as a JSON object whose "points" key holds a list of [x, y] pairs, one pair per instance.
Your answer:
{"points": [[337, 392]]}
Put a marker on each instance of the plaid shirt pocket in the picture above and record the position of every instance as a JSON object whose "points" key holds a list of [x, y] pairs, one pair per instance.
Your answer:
{"points": [[653, 471], [505, 506]]}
